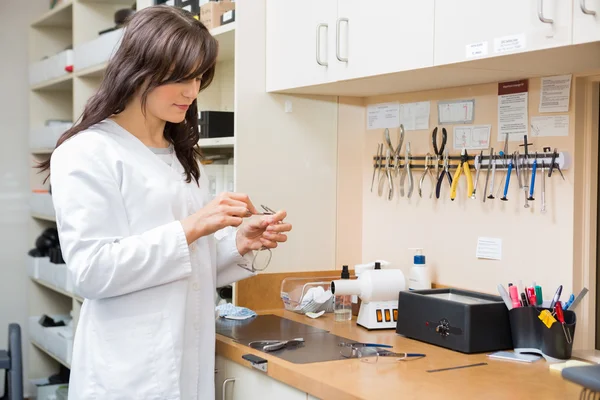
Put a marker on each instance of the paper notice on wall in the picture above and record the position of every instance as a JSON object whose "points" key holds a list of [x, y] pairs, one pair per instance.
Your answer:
{"points": [[512, 110], [415, 116], [383, 115], [489, 248], [472, 137], [555, 93], [456, 112], [550, 125]]}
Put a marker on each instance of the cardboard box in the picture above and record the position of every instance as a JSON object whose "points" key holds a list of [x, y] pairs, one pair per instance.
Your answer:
{"points": [[210, 13]]}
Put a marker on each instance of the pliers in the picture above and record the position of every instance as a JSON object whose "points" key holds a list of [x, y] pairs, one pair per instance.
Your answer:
{"points": [[440, 151], [406, 171], [427, 170], [464, 164], [440, 179]]}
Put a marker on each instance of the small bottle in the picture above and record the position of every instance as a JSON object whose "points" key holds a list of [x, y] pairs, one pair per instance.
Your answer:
{"points": [[342, 310], [418, 277]]}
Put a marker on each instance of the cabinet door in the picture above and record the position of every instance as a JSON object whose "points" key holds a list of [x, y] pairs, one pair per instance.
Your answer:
{"points": [[383, 37], [300, 43], [467, 29], [251, 384], [586, 21]]}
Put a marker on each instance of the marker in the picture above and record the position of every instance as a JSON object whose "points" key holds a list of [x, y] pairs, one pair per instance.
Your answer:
{"points": [[505, 296], [538, 295], [556, 297], [524, 300], [514, 296], [531, 296]]}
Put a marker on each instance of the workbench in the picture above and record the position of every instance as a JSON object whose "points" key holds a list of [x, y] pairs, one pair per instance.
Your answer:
{"points": [[352, 379]]}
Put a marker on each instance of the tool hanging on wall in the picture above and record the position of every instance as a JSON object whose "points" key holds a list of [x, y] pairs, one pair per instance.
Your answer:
{"points": [[464, 165], [406, 171], [543, 210], [533, 173], [427, 171], [487, 177], [477, 177], [445, 172], [376, 167]]}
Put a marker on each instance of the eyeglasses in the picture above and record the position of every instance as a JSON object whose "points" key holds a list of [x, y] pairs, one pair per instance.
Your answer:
{"points": [[371, 353], [261, 259]]}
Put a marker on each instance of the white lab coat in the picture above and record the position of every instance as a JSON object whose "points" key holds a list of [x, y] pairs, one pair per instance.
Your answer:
{"points": [[147, 325]]}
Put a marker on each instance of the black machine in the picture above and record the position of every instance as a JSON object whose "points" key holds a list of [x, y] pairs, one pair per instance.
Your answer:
{"points": [[460, 320]]}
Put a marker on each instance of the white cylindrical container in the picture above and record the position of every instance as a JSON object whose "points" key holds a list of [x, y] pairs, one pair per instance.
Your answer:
{"points": [[373, 285], [418, 277]]}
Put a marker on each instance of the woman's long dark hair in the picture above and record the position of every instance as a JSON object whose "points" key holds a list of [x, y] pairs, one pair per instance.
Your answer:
{"points": [[160, 45]]}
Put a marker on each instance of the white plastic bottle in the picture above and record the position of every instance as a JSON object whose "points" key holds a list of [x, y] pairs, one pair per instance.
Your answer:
{"points": [[418, 277]]}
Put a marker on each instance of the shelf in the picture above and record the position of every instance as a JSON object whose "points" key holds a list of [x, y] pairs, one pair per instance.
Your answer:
{"points": [[60, 16], [63, 84], [56, 289], [97, 71], [41, 348], [217, 143], [43, 216], [225, 34]]}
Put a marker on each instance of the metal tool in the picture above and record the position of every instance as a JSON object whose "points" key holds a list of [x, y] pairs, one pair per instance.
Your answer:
{"points": [[459, 367], [388, 176], [274, 345], [463, 165], [445, 172], [438, 151], [427, 171], [561, 318], [406, 171], [375, 165], [394, 151], [543, 210], [493, 161], [487, 176], [553, 164], [504, 155], [477, 175], [507, 182], [398, 150], [578, 298], [379, 160], [533, 172]]}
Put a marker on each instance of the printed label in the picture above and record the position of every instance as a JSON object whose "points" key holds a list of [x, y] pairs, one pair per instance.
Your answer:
{"points": [[509, 43], [477, 49]]}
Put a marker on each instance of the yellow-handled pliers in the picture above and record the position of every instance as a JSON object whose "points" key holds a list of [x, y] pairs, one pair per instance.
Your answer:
{"points": [[464, 164]]}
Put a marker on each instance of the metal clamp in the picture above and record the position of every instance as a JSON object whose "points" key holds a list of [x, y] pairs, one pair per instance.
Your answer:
{"points": [[584, 9], [541, 13], [337, 39], [319, 61]]}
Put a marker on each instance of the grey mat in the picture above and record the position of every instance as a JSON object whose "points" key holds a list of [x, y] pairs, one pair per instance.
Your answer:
{"points": [[319, 345]]}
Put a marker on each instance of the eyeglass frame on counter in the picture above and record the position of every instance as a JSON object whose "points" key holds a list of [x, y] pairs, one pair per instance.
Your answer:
{"points": [[369, 351]]}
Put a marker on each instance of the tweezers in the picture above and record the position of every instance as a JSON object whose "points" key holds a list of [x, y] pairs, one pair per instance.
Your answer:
{"points": [[267, 211]]}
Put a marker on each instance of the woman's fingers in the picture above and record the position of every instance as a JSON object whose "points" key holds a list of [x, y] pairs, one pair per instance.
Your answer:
{"points": [[276, 237], [241, 197], [268, 243], [283, 227]]}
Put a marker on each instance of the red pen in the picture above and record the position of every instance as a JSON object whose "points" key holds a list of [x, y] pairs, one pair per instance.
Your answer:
{"points": [[561, 318], [531, 296]]}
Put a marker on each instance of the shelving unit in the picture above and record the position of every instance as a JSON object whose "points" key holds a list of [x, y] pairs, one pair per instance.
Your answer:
{"points": [[74, 24]]}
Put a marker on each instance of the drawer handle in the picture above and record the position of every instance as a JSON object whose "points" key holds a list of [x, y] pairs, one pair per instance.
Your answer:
{"points": [[319, 61], [337, 39], [584, 9], [541, 13], [225, 382]]}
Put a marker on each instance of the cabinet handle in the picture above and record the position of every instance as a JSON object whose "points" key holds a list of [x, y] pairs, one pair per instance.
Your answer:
{"points": [[337, 39], [541, 13], [585, 10], [319, 61], [225, 382]]}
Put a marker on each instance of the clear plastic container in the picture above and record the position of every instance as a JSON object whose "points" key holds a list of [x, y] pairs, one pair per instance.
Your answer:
{"points": [[62, 393], [311, 294]]}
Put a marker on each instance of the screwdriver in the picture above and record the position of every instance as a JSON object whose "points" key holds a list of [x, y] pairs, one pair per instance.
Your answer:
{"points": [[510, 167], [533, 170]]}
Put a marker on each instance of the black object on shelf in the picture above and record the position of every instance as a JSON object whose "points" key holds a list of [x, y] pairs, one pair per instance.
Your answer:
{"points": [[192, 6], [47, 322], [213, 124]]}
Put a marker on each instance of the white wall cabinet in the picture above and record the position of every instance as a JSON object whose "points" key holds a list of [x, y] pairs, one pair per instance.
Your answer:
{"points": [[586, 21], [493, 28], [388, 36], [300, 43], [249, 384]]}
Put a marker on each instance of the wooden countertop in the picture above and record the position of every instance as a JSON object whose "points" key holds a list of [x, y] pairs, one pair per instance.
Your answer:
{"points": [[352, 379]]}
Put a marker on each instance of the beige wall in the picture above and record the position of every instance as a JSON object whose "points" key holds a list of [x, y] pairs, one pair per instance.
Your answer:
{"points": [[536, 247]]}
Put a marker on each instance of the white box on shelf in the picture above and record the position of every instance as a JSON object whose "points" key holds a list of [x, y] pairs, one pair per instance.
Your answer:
{"points": [[50, 68], [59, 341], [45, 391], [35, 264], [228, 178], [62, 278], [45, 137], [216, 180], [41, 204], [37, 332], [97, 51], [47, 272]]}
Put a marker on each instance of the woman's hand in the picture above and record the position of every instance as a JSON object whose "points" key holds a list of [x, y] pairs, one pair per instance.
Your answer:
{"points": [[266, 231], [227, 209]]}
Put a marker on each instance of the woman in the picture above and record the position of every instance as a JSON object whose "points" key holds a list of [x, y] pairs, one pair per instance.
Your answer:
{"points": [[145, 246]]}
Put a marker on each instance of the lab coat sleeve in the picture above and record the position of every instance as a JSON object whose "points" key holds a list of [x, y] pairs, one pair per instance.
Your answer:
{"points": [[104, 259], [231, 265]]}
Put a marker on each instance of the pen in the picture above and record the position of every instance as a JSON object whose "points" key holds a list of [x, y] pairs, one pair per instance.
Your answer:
{"points": [[556, 297], [531, 296], [538, 295], [524, 300]]}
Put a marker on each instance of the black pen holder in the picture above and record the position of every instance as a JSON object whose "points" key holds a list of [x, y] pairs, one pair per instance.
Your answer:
{"points": [[531, 335]]}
